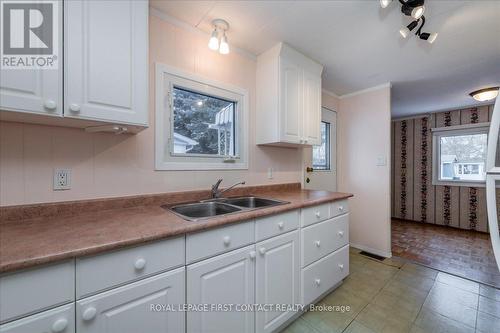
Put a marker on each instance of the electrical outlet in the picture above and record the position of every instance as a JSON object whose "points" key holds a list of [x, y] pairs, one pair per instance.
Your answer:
{"points": [[62, 179], [270, 173]]}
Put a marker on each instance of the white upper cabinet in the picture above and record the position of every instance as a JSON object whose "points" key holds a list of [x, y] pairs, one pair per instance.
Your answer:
{"points": [[288, 98], [106, 57], [37, 91]]}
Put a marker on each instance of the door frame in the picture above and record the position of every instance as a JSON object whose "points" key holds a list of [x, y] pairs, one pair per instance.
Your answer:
{"points": [[306, 151]]}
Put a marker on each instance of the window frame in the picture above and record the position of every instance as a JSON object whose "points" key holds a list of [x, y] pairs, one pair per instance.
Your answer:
{"points": [[328, 149], [459, 130], [167, 78]]}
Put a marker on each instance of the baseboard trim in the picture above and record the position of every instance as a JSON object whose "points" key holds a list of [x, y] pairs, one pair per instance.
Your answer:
{"points": [[369, 249]]}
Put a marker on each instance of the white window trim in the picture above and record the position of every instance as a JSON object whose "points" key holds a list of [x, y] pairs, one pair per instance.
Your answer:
{"points": [[437, 133], [163, 126]]}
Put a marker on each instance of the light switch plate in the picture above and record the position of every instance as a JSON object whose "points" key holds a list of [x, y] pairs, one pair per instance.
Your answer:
{"points": [[62, 179]]}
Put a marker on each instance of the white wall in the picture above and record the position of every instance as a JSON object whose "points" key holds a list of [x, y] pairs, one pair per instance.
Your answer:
{"points": [[364, 135], [108, 165]]}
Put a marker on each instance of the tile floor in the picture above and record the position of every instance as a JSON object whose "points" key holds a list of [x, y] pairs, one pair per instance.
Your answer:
{"points": [[398, 296], [460, 252]]}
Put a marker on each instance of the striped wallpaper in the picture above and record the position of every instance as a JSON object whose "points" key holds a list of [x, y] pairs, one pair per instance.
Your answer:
{"points": [[413, 195]]}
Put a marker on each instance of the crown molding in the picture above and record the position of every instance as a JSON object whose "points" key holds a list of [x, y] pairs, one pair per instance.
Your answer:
{"points": [[381, 86], [186, 26], [329, 93]]}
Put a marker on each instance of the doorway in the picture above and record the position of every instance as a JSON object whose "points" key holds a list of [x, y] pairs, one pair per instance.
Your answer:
{"points": [[320, 162]]}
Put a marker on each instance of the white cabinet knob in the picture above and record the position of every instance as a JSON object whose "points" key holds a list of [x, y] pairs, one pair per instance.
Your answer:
{"points": [[317, 282], [252, 255], [50, 104], [318, 243], [318, 214], [341, 208], [281, 225], [262, 250], [89, 313], [59, 325], [341, 266], [341, 233], [226, 240], [140, 264], [74, 107]]}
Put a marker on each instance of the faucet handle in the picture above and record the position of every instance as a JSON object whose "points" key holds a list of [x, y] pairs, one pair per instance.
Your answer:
{"points": [[217, 183]]}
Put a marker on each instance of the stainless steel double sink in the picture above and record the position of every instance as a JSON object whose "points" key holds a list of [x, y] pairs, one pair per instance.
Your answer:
{"points": [[216, 207]]}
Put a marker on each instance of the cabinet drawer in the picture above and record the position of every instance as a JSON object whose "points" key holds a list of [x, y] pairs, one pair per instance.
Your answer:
{"points": [[25, 292], [339, 207], [323, 238], [315, 214], [270, 226], [61, 319], [206, 244], [111, 269], [324, 274]]}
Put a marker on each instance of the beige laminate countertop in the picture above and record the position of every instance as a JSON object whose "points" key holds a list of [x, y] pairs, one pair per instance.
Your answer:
{"points": [[35, 241]]}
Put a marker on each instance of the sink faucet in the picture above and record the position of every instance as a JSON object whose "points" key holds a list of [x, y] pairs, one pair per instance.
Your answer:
{"points": [[216, 193]]}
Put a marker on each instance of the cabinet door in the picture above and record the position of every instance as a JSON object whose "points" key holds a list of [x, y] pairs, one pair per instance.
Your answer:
{"points": [[61, 319], [106, 49], [34, 90], [130, 309], [277, 278], [226, 279], [312, 109], [290, 101]]}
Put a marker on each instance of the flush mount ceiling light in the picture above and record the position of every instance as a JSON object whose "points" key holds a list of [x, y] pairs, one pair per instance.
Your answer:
{"points": [[218, 38], [414, 9], [486, 94]]}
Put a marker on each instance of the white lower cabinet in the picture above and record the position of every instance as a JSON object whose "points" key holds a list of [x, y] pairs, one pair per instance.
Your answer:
{"points": [[225, 279], [277, 279], [58, 320], [128, 309]]}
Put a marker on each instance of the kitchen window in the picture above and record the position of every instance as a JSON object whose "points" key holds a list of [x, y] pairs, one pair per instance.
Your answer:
{"points": [[200, 124], [459, 155]]}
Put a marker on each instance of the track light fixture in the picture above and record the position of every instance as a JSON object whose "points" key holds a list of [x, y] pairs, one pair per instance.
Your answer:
{"points": [[414, 9], [218, 38]]}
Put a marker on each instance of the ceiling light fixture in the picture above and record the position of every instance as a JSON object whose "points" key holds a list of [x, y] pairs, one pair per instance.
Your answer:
{"points": [[405, 31], [486, 94], [218, 38], [414, 9]]}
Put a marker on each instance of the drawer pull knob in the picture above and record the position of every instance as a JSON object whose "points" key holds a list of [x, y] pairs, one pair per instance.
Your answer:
{"points": [[89, 313], [317, 282], [318, 215], [281, 225], [262, 250], [318, 243], [227, 240], [74, 107], [341, 266], [60, 325], [140, 264], [252, 255], [50, 104], [341, 233], [341, 208]]}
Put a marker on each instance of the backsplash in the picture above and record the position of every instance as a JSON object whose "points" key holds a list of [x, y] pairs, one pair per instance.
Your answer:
{"points": [[413, 195]]}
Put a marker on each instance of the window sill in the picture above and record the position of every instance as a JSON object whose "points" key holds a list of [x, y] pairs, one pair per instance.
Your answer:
{"points": [[459, 183]]}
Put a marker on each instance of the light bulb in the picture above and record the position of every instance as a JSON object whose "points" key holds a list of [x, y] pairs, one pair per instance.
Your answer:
{"points": [[484, 95], [404, 32], [385, 3], [417, 12], [224, 46], [432, 37], [213, 43]]}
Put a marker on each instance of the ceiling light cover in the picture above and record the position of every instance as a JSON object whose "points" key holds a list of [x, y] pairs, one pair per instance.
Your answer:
{"points": [[484, 95], [213, 43], [417, 12], [224, 46], [385, 3]]}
